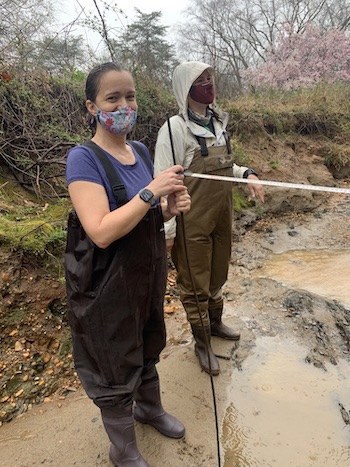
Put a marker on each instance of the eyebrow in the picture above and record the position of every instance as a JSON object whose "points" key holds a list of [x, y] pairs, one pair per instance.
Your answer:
{"points": [[118, 93]]}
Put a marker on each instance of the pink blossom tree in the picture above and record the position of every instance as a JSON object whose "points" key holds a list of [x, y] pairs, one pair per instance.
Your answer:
{"points": [[302, 59]]}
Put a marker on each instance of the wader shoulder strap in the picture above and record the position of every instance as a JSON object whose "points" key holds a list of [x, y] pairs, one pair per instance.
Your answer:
{"points": [[113, 177], [112, 174], [75, 230], [203, 144], [202, 141], [228, 143]]}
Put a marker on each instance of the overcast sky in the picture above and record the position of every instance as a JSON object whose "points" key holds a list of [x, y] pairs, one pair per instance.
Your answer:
{"points": [[172, 12]]}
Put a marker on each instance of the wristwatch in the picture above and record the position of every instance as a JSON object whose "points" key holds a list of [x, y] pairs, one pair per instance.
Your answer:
{"points": [[147, 196], [249, 172]]}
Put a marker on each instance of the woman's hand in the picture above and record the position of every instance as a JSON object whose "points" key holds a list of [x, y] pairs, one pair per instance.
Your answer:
{"points": [[178, 202], [255, 189], [175, 203], [168, 181]]}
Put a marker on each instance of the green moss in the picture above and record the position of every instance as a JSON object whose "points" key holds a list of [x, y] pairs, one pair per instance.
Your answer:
{"points": [[13, 316], [66, 346], [240, 201], [274, 164], [29, 225]]}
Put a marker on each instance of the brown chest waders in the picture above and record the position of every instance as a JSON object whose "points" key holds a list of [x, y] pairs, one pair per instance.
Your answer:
{"points": [[208, 232], [208, 237]]}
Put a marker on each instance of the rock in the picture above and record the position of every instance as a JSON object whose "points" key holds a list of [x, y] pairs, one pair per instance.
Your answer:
{"points": [[18, 346]]}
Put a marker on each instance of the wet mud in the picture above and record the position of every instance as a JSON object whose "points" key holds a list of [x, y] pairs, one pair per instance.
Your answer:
{"points": [[289, 393]]}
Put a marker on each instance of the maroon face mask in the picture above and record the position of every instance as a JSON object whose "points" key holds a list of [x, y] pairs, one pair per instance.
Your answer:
{"points": [[203, 93]]}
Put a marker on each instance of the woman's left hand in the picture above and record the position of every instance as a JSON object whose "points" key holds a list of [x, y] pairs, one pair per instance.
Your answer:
{"points": [[179, 201], [255, 189]]}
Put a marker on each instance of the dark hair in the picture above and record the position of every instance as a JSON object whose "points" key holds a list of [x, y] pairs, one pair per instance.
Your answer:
{"points": [[93, 80]]}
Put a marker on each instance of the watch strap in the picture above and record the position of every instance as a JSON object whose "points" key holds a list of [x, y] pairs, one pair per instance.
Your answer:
{"points": [[147, 196], [249, 172]]}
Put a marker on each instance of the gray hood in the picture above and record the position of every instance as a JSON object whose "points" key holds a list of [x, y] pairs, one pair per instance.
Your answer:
{"points": [[184, 76]]}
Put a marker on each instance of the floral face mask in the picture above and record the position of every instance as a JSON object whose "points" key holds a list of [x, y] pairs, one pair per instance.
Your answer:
{"points": [[119, 122]]}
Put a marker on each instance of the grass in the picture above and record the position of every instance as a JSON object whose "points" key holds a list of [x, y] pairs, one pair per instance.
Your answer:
{"points": [[240, 201], [334, 99], [324, 109], [274, 164], [337, 155], [321, 111]]}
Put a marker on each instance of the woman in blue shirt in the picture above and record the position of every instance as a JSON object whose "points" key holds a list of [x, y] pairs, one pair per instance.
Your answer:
{"points": [[116, 267]]}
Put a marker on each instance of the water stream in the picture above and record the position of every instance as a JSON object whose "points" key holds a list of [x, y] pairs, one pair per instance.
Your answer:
{"points": [[281, 410], [325, 273]]}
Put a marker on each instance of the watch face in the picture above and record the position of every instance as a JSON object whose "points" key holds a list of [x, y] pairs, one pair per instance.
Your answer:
{"points": [[147, 196]]}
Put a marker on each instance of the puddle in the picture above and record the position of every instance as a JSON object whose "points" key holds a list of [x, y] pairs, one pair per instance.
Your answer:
{"points": [[284, 412], [322, 272]]}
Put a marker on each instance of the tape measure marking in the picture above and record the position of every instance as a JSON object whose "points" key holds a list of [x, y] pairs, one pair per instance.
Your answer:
{"points": [[298, 186]]}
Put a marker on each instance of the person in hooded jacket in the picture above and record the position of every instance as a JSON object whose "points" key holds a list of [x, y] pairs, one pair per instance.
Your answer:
{"points": [[116, 265], [196, 138]]}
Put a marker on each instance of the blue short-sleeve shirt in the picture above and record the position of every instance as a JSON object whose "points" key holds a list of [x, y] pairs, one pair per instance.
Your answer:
{"points": [[84, 165]]}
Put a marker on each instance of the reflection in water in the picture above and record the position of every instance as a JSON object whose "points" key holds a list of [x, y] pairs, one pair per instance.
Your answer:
{"points": [[283, 412], [236, 441], [322, 272]]}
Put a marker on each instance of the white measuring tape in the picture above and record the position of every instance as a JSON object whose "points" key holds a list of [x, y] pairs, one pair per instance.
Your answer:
{"points": [[298, 186]]}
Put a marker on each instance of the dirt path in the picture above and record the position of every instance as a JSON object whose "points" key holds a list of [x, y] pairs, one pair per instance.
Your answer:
{"points": [[280, 316]]}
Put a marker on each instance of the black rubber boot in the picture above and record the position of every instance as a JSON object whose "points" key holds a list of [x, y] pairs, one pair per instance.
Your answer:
{"points": [[201, 351], [148, 409], [218, 328], [119, 425]]}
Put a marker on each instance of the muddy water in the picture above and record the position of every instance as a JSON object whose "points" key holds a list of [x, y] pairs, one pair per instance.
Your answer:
{"points": [[283, 412], [325, 273]]}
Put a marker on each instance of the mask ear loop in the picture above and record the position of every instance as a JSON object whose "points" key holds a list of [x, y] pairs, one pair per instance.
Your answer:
{"points": [[91, 120]]}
